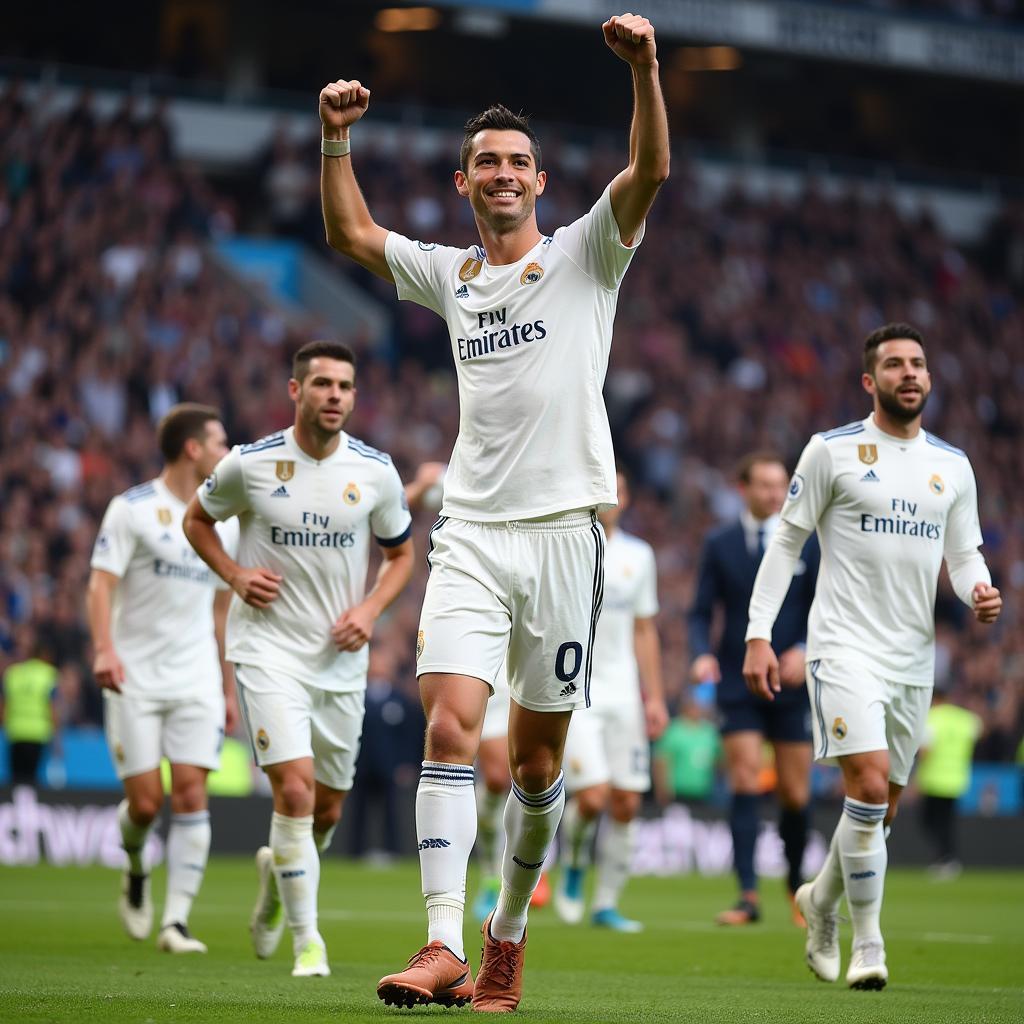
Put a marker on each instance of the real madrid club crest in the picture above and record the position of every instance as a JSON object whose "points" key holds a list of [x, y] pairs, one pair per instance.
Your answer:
{"points": [[351, 494], [262, 740], [470, 269], [867, 453], [935, 485], [285, 470], [839, 729], [532, 274], [163, 515]]}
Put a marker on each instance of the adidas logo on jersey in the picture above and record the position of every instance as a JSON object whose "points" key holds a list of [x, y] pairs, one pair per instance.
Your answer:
{"points": [[870, 477], [462, 293], [281, 492]]}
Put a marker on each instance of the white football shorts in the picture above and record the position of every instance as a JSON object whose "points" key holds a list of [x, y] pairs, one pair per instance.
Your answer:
{"points": [[141, 730], [527, 589], [608, 743], [288, 720], [854, 710]]}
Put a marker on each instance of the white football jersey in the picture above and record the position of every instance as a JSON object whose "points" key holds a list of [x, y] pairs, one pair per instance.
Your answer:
{"points": [[531, 342], [630, 593], [886, 510], [311, 522], [162, 612]]}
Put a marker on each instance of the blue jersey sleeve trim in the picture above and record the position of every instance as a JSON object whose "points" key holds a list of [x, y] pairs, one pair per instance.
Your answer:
{"points": [[393, 542]]}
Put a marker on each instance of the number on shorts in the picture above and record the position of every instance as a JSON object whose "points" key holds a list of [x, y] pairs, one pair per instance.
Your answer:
{"points": [[577, 651]]}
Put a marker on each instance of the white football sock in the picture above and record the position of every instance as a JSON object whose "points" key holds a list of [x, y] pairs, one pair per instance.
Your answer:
{"points": [[531, 821], [864, 858], [297, 871], [133, 839], [577, 836], [827, 888], [614, 862], [446, 831], [323, 839], [490, 807], [188, 849]]}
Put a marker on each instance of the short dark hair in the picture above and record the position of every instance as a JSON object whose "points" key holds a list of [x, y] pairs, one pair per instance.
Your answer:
{"points": [[889, 332], [317, 349], [182, 423], [497, 118], [745, 467]]}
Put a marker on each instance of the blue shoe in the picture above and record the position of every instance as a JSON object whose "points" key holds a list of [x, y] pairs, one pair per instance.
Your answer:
{"points": [[611, 918], [569, 895], [488, 898]]}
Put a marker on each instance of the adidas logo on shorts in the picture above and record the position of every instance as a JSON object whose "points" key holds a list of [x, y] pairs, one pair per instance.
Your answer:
{"points": [[281, 492], [567, 691]]}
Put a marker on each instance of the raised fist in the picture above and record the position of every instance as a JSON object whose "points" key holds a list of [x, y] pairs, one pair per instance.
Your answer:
{"points": [[631, 37], [343, 103]]}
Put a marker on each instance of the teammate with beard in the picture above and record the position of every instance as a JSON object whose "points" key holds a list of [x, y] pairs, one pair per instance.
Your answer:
{"points": [[889, 501]]}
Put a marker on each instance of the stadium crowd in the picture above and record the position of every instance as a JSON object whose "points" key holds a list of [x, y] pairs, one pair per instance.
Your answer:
{"points": [[739, 327]]}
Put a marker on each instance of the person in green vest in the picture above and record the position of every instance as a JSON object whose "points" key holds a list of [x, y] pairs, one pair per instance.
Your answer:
{"points": [[943, 775], [687, 753], [27, 709]]}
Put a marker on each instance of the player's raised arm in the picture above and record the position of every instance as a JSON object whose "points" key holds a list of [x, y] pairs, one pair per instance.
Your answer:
{"points": [[631, 37], [347, 221]]}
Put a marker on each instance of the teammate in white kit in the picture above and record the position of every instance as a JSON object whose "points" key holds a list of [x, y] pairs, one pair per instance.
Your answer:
{"points": [[309, 500], [889, 502], [152, 611], [607, 751], [516, 554]]}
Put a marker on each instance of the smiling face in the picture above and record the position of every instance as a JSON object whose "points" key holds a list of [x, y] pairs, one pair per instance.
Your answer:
{"points": [[325, 396], [900, 382], [501, 180]]}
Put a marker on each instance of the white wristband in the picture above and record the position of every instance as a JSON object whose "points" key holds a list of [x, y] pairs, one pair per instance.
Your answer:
{"points": [[335, 147]]}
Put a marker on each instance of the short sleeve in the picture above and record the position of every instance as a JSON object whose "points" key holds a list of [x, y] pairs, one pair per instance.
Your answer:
{"points": [[419, 269], [222, 493], [594, 245], [963, 529], [115, 542], [390, 519], [647, 592], [810, 489]]}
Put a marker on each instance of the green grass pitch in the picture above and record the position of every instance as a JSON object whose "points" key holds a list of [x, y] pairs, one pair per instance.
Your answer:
{"points": [[956, 953]]}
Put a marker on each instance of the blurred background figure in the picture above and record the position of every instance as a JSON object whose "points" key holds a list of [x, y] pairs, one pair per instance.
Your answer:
{"points": [[944, 774], [688, 753], [28, 709]]}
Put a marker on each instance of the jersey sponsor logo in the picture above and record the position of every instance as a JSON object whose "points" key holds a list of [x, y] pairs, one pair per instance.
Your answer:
{"points": [[210, 483], [796, 487], [898, 524], [419, 644], [867, 453], [351, 494], [307, 538], [935, 485], [163, 516], [501, 337], [171, 570], [839, 729], [470, 269], [262, 740], [462, 292], [870, 477], [284, 469], [281, 492], [532, 274]]}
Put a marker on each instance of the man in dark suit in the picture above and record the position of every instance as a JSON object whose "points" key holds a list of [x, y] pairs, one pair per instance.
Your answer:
{"points": [[729, 563]]}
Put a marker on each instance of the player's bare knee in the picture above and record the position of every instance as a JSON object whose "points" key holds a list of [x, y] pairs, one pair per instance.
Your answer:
{"points": [[593, 800], [293, 795], [624, 805], [189, 798], [448, 739], [536, 773], [144, 807]]}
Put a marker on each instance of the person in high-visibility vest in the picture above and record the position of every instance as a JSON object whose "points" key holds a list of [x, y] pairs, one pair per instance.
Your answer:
{"points": [[27, 709], [943, 775]]}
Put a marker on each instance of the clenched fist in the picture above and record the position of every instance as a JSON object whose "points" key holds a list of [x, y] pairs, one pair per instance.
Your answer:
{"points": [[631, 37], [342, 104]]}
